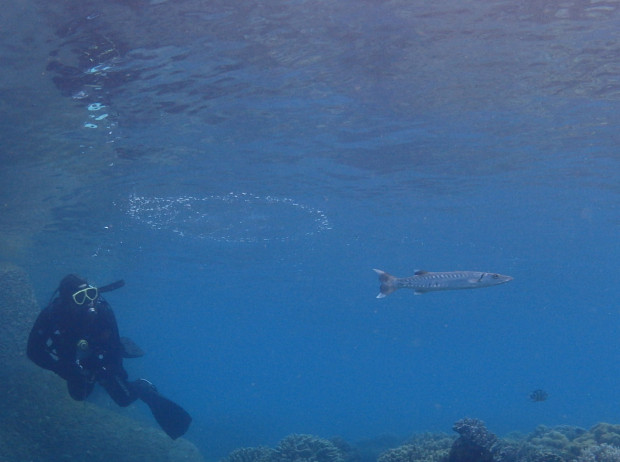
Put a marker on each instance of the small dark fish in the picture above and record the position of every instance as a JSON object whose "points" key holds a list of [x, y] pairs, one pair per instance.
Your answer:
{"points": [[539, 395]]}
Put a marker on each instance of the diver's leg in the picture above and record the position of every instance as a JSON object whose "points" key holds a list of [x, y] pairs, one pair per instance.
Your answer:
{"points": [[172, 418], [79, 387], [120, 390]]}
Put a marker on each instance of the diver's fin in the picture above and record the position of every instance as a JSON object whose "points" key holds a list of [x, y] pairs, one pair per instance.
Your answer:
{"points": [[130, 349], [171, 417]]}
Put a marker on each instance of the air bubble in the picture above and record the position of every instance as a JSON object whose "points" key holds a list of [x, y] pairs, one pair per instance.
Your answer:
{"points": [[233, 217]]}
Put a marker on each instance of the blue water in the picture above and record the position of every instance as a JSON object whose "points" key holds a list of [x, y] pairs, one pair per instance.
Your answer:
{"points": [[259, 159]]}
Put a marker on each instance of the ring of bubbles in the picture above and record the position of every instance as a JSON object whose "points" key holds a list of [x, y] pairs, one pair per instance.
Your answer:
{"points": [[233, 217]]}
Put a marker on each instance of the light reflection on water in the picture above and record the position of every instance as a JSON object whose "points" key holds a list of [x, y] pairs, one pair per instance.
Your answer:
{"points": [[311, 99]]}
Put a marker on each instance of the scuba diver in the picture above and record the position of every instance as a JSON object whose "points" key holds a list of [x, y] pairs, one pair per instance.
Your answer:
{"points": [[76, 336]]}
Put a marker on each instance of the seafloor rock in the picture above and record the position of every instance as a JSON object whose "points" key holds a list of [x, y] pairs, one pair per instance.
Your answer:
{"points": [[18, 310], [39, 421]]}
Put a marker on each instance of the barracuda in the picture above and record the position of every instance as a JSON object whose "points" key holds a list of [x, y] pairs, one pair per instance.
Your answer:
{"points": [[425, 281]]}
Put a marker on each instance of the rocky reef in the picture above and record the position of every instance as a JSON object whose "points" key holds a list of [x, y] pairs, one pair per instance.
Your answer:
{"points": [[428, 447], [473, 443], [297, 448], [39, 421], [476, 443]]}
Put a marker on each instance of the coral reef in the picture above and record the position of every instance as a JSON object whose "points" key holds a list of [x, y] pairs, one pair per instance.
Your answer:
{"points": [[257, 454], [558, 444], [426, 447], [39, 421], [475, 443], [560, 441], [307, 448], [369, 450], [475, 431], [600, 453], [296, 448], [349, 452], [602, 433], [405, 453]]}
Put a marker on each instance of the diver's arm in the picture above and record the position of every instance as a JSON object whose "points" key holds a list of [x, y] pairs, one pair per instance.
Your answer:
{"points": [[37, 341], [38, 351]]}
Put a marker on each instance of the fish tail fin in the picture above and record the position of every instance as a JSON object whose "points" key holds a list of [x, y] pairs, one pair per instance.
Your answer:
{"points": [[388, 283]]}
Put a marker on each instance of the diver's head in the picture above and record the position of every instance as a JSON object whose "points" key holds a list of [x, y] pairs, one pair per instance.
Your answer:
{"points": [[77, 291]]}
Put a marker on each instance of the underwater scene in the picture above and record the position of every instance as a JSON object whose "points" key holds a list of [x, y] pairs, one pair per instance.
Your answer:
{"points": [[239, 231]]}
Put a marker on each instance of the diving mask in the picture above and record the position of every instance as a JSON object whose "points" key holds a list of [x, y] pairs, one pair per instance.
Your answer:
{"points": [[88, 293]]}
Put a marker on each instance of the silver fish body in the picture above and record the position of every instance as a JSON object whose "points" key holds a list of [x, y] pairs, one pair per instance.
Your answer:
{"points": [[425, 281]]}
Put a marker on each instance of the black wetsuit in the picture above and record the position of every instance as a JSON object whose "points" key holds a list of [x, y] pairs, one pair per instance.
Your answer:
{"points": [[82, 345]]}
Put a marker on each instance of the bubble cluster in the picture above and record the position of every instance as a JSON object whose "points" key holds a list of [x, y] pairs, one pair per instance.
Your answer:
{"points": [[233, 217]]}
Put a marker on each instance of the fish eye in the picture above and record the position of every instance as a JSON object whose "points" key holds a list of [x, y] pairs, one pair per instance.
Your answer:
{"points": [[496, 276]]}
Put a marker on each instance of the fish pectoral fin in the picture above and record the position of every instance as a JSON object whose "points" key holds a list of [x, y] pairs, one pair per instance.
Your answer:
{"points": [[420, 272], [419, 292], [381, 295]]}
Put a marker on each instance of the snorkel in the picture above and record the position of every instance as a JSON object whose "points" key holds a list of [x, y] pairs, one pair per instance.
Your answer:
{"points": [[112, 286]]}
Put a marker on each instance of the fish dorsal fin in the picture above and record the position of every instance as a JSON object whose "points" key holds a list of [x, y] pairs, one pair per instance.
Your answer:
{"points": [[420, 272]]}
